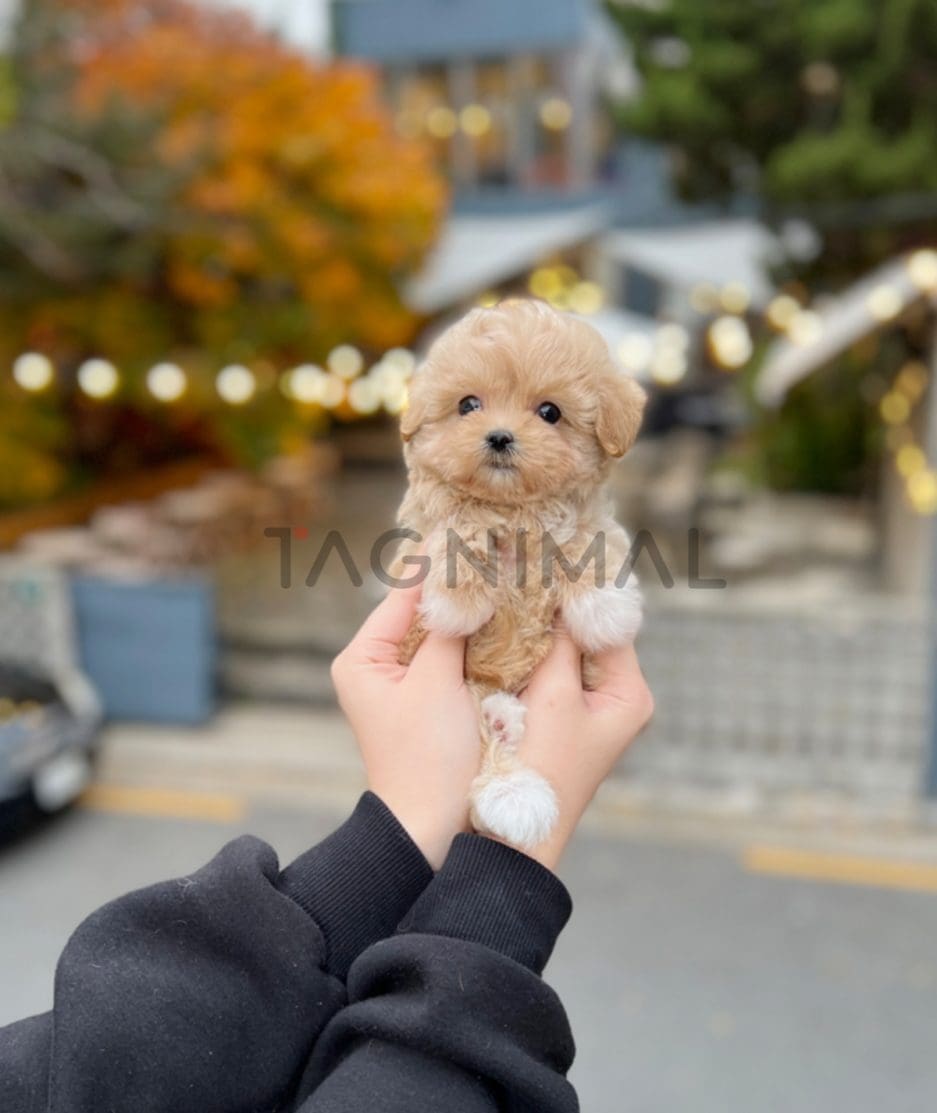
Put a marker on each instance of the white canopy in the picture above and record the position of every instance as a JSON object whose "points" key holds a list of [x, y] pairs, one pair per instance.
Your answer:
{"points": [[475, 253]]}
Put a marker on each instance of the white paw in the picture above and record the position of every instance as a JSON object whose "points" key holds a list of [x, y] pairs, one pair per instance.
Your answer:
{"points": [[604, 617], [503, 715], [447, 614], [518, 807]]}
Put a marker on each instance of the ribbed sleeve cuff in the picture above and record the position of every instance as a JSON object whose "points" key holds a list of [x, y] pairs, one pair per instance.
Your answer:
{"points": [[490, 894], [358, 883]]}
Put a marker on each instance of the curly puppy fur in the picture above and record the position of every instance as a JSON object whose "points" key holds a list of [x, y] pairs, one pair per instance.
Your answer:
{"points": [[498, 523]]}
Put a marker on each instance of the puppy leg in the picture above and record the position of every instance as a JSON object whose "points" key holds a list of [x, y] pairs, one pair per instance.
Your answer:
{"points": [[508, 799], [603, 617], [461, 607], [503, 716]]}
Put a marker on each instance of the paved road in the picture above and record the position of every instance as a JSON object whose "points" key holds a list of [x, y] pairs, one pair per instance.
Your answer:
{"points": [[692, 982]]}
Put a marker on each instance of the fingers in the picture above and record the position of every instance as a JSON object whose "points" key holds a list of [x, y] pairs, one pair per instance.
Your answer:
{"points": [[621, 680], [561, 669], [378, 640], [439, 659]]}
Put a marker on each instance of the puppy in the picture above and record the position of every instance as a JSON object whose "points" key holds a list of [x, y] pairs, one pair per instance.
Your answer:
{"points": [[512, 424]]}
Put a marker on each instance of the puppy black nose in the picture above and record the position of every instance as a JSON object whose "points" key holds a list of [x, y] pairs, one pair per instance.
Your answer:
{"points": [[500, 440]]}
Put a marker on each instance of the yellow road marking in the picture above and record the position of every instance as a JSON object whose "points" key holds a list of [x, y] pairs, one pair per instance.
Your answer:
{"points": [[164, 803], [844, 869]]}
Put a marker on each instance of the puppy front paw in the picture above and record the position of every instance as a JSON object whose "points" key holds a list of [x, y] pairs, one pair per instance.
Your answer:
{"points": [[604, 617], [519, 807], [452, 614]]}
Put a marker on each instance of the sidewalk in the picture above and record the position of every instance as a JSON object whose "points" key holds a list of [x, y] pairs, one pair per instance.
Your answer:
{"points": [[256, 754]]}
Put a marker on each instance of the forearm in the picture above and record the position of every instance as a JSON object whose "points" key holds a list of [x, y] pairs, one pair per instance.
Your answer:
{"points": [[451, 1013], [208, 992]]}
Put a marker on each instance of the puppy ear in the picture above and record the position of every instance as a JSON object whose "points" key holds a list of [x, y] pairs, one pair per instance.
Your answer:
{"points": [[621, 406], [414, 415]]}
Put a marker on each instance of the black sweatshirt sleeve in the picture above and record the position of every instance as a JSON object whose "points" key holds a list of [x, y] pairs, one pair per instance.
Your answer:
{"points": [[451, 1013], [207, 993]]}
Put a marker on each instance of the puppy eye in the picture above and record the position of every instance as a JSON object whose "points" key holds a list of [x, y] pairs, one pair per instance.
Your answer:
{"points": [[469, 405], [550, 413]]}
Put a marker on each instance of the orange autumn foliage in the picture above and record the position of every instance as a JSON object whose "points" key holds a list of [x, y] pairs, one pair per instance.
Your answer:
{"points": [[297, 209]]}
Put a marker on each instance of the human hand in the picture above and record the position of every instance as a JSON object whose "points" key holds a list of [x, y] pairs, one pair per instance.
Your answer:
{"points": [[416, 725], [574, 737]]}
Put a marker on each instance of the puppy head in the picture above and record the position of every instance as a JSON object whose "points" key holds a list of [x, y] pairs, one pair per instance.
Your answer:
{"points": [[519, 402]]}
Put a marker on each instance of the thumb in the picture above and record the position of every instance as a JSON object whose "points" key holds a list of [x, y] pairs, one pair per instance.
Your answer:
{"points": [[378, 640], [440, 659], [561, 668]]}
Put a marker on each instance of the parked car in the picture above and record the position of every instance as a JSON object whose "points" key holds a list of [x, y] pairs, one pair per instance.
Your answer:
{"points": [[50, 715]]}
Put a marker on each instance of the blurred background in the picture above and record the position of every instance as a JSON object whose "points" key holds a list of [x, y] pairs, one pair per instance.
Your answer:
{"points": [[228, 231]]}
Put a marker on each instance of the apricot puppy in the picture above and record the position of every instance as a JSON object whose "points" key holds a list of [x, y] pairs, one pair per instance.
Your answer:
{"points": [[513, 421]]}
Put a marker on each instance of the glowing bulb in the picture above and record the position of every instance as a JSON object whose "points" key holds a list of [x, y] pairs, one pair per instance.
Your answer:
{"points": [[730, 342], [441, 122], [910, 459], [33, 371], [333, 392], [546, 283], [673, 336], [884, 303], [487, 299], [894, 408], [402, 359], [166, 382], [912, 379], [236, 384], [364, 396], [635, 352], [586, 298], [781, 311], [98, 378], [922, 268], [475, 120], [704, 298], [556, 114], [734, 298], [805, 328], [922, 491], [395, 401], [307, 383], [669, 366], [345, 361]]}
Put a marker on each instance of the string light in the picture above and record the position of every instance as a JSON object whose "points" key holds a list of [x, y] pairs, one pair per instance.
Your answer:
{"points": [[782, 311], [333, 392], [556, 114], [734, 298], [922, 491], [364, 396], [635, 352], [441, 122], [306, 384], [546, 283], [98, 378], [487, 299], [402, 359], [704, 298], [730, 342], [894, 408], [884, 303], [922, 269], [672, 336], [805, 328], [345, 361], [910, 459], [236, 384], [475, 120], [669, 366], [33, 371], [586, 298], [166, 382]]}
